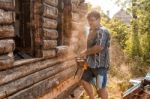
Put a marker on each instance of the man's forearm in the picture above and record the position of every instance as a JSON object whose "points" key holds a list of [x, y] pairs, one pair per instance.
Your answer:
{"points": [[95, 49]]}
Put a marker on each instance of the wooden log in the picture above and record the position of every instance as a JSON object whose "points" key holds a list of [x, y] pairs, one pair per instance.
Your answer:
{"points": [[50, 11], [49, 44], [29, 80], [7, 4], [42, 87], [6, 17], [49, 53], [7, 31], [56, 93], [51, 2], [81, 1], [6, 46], [75, 16], [6, 61], [83, 6], [74, 8], [49, 23], [25, 69], [77, 93], [50, 34], [61, 50], [75, 1]]}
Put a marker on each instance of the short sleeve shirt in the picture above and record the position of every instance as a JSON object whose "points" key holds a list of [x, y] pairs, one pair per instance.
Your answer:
{"points": [[101, 59]]}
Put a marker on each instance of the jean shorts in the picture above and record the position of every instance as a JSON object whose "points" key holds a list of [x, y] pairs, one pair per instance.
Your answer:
{"points": [[96, 76]]}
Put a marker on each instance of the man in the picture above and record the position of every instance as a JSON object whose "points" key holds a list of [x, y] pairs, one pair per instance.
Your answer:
{"points": [[97, 54]]}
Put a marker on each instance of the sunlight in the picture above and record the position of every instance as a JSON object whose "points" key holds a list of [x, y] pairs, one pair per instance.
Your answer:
{"points": [[105, 5]]}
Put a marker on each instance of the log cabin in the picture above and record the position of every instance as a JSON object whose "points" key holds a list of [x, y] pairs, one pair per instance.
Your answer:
{"points": [[39, 40]]}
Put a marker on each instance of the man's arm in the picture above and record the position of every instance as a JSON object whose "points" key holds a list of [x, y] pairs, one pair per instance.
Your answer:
{"points": [[93, 50], [101, 43]]}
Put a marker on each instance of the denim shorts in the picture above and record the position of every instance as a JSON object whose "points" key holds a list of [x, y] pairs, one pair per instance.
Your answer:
{"points": [[96, 76]]}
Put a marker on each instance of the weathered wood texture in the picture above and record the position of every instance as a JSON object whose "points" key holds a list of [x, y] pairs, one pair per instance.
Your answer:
{"points": [[7, 4], [6, 46], [7, 31], [49, 53], [46, 75], [5, 61], [62, 50], [50, 34], [43, 86], [49, 44], [51, 2], [50, 11], [76, 94], [49, 23], [59, 91], [27, 69], [6, 17], [68, 91], [31, 79]]}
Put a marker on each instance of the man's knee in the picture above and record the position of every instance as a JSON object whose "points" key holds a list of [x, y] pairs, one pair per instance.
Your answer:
{"points": [[82, 82], [101, 90]]}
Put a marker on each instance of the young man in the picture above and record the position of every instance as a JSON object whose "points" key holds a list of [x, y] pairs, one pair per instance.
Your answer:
{"points": [[97, 54]]}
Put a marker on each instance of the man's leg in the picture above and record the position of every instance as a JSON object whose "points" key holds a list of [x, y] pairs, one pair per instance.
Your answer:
{"points": [[88, 88], [101, 82], [103, 93]]}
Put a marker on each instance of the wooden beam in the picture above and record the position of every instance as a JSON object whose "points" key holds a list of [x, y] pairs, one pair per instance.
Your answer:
{"points": [[50, 11], [6, 46], [26, 69], [51, 2], [7, 4], [50, 34], [6, 17], [36, 77], [44, 86], [62, 50], [7, 31], [49, 53], [49, 44], [76, 93], [5, 62], [60, 90], [49, 23]]}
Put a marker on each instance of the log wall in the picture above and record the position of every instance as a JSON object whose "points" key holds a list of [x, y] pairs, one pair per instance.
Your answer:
{"points": [[51, 76], [7, 32]]}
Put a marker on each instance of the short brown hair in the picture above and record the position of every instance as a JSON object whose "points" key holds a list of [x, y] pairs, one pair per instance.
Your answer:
{"points": [[95, 14]]}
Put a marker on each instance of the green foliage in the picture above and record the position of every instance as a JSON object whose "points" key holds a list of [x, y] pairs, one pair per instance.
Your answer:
{"points": [[118, 30], [135, 38]]}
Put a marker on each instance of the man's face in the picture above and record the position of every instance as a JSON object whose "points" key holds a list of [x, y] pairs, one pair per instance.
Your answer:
{"points": [[93, 22]]}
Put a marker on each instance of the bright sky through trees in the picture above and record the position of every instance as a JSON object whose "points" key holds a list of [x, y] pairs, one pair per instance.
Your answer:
{"points": [[106, 5]]}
